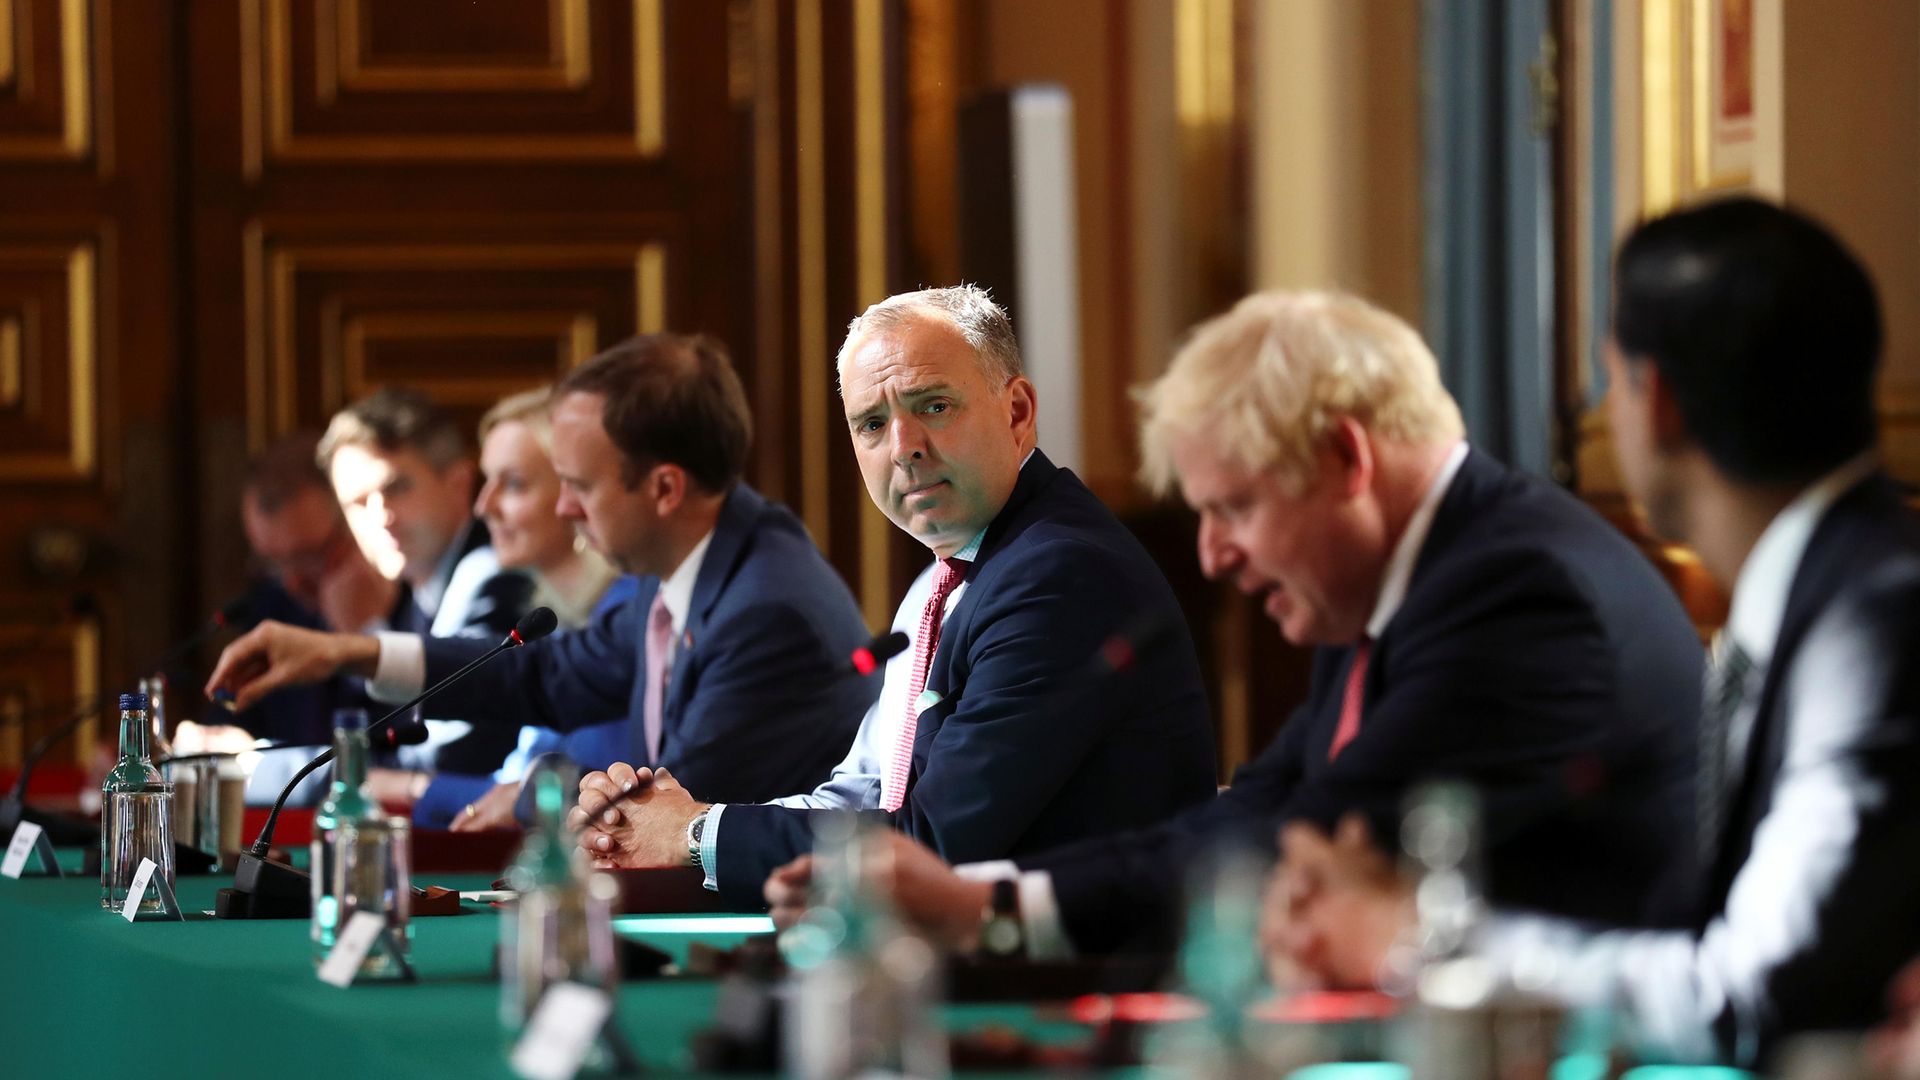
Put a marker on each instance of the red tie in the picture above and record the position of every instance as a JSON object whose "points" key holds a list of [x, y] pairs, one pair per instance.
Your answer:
{"points": [[1351, 702], [893, 793]]}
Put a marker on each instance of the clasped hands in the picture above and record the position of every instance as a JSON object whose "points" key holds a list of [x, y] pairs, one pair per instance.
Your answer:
{"points": [[630, 818]]}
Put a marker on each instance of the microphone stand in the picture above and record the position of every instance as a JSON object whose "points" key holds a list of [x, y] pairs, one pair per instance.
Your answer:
{"points": [[264, 889]]}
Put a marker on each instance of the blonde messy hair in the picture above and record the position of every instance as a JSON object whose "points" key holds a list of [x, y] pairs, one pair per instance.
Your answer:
{"points": [[528, 407], [1266, 381]]}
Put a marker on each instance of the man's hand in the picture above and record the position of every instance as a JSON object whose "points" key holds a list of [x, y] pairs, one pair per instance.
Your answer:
{"points": [[273, 655], [353, 594], [1337, 906], [788, 891], [924, 890], [646, 830], [494, 810]]}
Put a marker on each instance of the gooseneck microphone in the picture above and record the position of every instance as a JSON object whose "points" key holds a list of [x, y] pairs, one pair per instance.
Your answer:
{"points": [[1116, 655], [867, 659], [263, 889]]}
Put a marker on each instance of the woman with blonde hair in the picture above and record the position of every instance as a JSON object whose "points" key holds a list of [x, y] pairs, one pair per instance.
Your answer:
{"points": [[517, 502]]}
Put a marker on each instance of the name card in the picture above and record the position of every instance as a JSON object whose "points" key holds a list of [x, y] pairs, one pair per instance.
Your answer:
{"points": [[24, 837], [561, 1032], [351, 947], [138, 890]]}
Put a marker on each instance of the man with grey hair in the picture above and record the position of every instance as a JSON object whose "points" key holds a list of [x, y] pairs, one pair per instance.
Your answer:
{"points": [[1003, 728], [1468, 621]]}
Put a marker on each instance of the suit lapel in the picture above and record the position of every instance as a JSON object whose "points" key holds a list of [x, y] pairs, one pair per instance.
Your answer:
{"points": [[724, 552], [1832, 554], [957, 628]]}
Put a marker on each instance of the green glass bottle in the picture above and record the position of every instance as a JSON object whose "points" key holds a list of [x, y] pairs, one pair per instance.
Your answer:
{"points": [[562, 927], [136, 813], [346, 800]]}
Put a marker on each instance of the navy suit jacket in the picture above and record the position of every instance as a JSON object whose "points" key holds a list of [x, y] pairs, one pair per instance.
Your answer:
{"points": [[1536, 654], [761, 700], [1034, 742], [1856, 595]]}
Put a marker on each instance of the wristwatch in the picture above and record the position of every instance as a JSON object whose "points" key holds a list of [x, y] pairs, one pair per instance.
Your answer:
{"points": [[694, 828], [1002, 935]]}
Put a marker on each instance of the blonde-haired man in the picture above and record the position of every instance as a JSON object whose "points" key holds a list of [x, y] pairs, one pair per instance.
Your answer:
{"points": [[1469, 621]]}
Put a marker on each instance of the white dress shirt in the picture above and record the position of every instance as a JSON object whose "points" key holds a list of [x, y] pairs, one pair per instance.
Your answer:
{"points": [[1039, 909]]}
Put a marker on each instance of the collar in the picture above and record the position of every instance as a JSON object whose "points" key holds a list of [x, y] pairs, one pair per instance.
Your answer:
{"points": [[434, 590], [1406, 551], [1760, 592], [676, 589], [970, 551]]}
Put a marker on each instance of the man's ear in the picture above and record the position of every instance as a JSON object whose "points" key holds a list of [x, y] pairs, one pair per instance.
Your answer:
{"points": [[667, 487], [1351, 449], [1669, 429], [1023, 407]]}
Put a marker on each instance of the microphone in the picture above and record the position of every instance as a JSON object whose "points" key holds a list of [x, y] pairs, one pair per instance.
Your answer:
{"points": [[868, 658], [1116, 655], [263, 889]]}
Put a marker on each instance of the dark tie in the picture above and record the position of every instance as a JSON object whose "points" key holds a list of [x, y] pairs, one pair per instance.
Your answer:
{"points": [[1726, 686]]}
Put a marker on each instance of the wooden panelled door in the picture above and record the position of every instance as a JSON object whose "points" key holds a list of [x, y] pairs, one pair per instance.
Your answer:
{"points": [[465, 198], [91, 395], [221, 221]]}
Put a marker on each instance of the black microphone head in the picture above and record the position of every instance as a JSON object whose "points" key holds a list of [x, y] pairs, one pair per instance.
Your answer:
{"points": [[233, 612], [868, 658], [535, 625], [409, 732]]}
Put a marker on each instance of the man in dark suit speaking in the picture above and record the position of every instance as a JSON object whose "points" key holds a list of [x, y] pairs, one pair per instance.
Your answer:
{"points": [[1745, 343], [997, 732], [1471, 621], [731, 661]]}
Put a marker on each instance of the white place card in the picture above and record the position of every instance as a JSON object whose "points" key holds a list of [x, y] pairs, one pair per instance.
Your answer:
{"points": [[138, 890], [561, 1032], [24, 837], [351, 947]]}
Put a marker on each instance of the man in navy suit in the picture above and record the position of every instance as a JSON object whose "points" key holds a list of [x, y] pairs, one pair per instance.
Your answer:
{"points": [[1001, 730], [1745, 344], [1470, 621], [730, 662]]}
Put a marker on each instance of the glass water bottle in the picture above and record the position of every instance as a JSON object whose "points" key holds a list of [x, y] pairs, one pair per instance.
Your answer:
{"points": [[562, 928], [373, 871], [865, 988], [346, 799], [136, 814]]}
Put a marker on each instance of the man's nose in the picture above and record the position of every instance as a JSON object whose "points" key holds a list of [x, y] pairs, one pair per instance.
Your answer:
{"points": [[1218, 556], [908, 441]]}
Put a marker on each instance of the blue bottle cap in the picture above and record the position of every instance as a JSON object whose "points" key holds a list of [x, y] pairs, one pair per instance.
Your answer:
{"points": [[133, 702], [350, 719]]}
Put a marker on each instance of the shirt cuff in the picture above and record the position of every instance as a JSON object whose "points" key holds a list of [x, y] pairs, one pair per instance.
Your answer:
{"points": [[401, 670], [1039, 910], [710, 847]]}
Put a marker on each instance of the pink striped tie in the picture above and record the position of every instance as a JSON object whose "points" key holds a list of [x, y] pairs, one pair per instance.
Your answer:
{"points": [[893, 792], [659, 642]]}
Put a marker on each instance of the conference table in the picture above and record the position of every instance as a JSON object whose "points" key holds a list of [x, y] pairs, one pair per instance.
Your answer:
{"points": [[90, 994]]}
